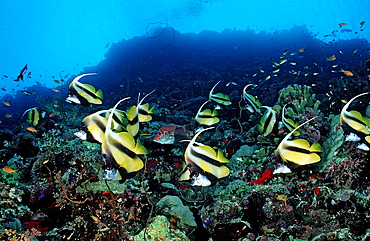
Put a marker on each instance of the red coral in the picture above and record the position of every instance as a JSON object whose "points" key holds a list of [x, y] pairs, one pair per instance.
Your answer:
{"points": [[267, 174]]}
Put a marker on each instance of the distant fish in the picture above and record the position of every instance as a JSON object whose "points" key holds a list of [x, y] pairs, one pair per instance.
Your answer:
{"points": [[267, 77], [301, 50], [32, 129], [346, 72], [6, 103], [342, 24], [83, 94], [283, 61], [171, 134], [22, 73], [331, 58]]}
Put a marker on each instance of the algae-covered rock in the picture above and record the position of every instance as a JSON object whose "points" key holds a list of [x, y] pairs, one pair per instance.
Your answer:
{"points": [[244, 151], [331, 144], [160, 229], [173, 206]]}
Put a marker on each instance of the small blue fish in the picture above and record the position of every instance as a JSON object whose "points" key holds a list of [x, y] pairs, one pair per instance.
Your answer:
{"points": [[41, 196], [207, 222]]}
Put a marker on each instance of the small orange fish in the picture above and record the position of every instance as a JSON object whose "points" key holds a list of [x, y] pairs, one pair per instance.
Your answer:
{"points": [[32, 129], [6, 103], [346, 72], [342, 24], [344, 101], [9, 170], [331, 58], [55, 90], [52, 114], [56, 105], [8, 115], [301, 50], [73, 118], [57, 81]]}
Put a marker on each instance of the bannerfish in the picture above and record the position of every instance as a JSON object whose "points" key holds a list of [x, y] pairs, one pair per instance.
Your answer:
{"points": [[358, 123], [253, 103], [206, 117], [171, 134], [83, 94], [289, 123], [145, 112], [204, 166], [298, 151], [120, 150], [267, 121], [219, 98], [34, 116], [133, 116], [94, 125]]}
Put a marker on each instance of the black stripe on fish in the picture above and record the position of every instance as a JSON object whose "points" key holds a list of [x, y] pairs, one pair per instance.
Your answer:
{"points": [[134, 121], [298, 149], [204, 158], [350, 117], [123, 149], [87, 91]]}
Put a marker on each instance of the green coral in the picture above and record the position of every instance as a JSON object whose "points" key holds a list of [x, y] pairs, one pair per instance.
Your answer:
{"points": [[235, 188], [160, 229], [300, 97], [9, 178], [244, 151], [332, 143], [11, 201], [173, 206], [51, 141]]}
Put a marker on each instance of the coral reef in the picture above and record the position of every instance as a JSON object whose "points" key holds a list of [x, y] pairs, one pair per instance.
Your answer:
{"points": [[57, 191]]}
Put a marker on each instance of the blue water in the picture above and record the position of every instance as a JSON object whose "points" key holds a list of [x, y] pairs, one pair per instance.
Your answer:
{"points": [[124, 42]]}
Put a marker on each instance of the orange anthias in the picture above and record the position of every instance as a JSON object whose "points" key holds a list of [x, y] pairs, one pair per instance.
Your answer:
{"points": [[31, 129], [347, 72], [331, 58], [9, 170]]}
